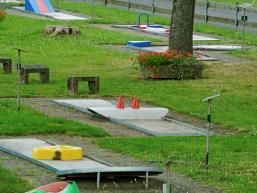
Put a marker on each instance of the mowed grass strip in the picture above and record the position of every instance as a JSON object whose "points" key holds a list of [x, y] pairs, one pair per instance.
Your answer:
{"points": [[232, 164], [30, 122], [10, 182]]}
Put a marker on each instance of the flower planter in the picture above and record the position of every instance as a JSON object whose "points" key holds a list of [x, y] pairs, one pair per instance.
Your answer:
{"points": [[172, 72]]}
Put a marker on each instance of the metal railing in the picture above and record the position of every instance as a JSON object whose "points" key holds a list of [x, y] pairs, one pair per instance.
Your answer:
{"points": [[205, 11]]}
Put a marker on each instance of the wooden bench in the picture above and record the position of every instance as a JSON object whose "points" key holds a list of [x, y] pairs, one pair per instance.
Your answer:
{"points": [[42, 70], [7, 65], [93, 84]]}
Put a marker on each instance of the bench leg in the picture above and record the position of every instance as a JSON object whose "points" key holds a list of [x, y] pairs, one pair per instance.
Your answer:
{"points": [[72, 86], [7, 68], [93, 87], [44, 77], [24, 77]]}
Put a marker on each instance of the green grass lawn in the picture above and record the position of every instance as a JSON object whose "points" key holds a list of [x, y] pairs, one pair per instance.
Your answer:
{"points": [[232, 164], [29, 122], [233, 159], [10, 182], [85, 56]]}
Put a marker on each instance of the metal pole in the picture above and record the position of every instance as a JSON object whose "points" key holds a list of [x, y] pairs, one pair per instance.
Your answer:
{"points": [[146, 179], [206, 11], [19, 79], [207, 137], [57, 6], [236, 17], [98, 180], [129, 5], [153, 7], [243, 41], [93, 11]]}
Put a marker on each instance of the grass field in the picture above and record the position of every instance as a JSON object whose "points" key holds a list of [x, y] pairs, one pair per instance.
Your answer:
{"points": [[29, 122], [232, 165], [233, 159], [85, 55], [10, 182]]}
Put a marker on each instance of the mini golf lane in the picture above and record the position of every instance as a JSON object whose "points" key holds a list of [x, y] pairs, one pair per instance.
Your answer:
{"points": [[161, 31], [148, 120], [88, 167]]}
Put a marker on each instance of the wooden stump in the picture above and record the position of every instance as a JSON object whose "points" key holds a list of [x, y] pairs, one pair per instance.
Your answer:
{"points": [[61, 30]]}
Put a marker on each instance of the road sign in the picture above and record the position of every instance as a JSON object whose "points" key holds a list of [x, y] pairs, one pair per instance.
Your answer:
{"points": [[244, 18]]}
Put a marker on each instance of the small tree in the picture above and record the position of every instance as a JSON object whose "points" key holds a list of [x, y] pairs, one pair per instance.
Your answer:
{"points": [[182, 19]]}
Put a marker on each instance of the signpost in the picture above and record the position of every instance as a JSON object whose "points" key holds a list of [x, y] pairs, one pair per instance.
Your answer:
{"points": [[208, 99], [244, 18], [19, 77]]}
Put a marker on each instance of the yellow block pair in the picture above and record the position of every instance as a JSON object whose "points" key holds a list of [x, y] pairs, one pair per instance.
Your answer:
{"points": [[60, 152]]}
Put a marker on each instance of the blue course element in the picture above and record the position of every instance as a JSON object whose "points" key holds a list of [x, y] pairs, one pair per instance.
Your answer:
{"points": [[155, 26], [31, 6], [49, 6], [139, 43], [39, 6], [139, 19]]}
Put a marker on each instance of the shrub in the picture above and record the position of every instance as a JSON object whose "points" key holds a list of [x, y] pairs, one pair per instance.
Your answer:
{"points": [[169, 64], [2, 14]]}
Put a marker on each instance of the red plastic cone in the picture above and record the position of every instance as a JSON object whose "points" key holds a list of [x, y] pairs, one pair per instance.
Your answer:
{"points": [[120, 104], [134, 104]]}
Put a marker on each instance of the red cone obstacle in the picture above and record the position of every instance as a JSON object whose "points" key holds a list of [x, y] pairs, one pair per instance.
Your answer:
{"points": [[134, 104], [120, 104]]}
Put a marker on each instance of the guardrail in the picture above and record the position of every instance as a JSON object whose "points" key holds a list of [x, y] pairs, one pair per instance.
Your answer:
{"points": [[205, 11]]}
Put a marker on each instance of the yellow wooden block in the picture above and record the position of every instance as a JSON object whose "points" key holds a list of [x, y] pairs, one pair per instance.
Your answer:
{"points": [[60, 152]]}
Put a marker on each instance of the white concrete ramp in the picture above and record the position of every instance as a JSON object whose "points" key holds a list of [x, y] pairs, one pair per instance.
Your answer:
{"points": [[152, 120], [129, 113]]}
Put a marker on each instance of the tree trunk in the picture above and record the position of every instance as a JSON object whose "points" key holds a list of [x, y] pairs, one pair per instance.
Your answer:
{"points": [[182, 19]]}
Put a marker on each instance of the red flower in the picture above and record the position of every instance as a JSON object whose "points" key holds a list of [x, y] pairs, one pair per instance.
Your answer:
{"points": [[157, 76], [131, 59]]}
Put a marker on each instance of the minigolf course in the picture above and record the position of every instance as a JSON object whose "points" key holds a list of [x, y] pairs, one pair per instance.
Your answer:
{"points": [[39, 6], [86, 167], [45, 8], [150, 120]]}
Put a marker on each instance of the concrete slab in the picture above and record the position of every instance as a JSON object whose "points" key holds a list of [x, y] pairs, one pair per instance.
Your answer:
{"points": [[161, 31], [55, 15], [10, 1], [195, 47], [83, 104], [88, 166], [148, 120], [217, 47], [163, 127], [129, 113]]}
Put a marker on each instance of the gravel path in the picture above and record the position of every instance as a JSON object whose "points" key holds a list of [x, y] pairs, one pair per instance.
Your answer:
{"points": [[38, 176]]}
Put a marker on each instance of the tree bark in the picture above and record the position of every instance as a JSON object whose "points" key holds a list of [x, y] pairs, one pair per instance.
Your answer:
{"points": [[181, 28]]}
